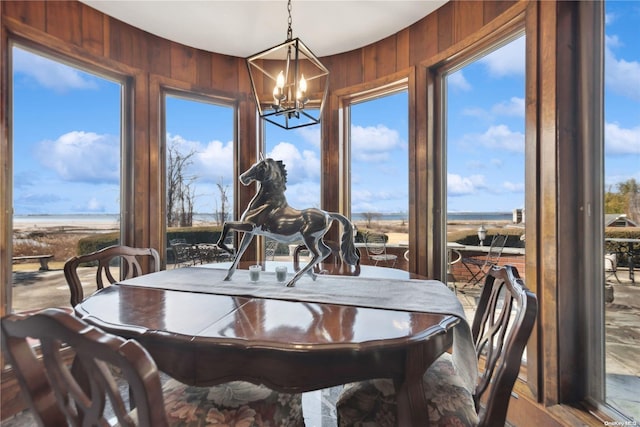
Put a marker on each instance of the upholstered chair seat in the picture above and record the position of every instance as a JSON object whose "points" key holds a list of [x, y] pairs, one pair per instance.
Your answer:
{"points": [[373, 402]]}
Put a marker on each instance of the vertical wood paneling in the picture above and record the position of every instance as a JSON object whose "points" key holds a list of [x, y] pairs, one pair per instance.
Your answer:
{"points": [[93, 31], [423, 38], [119, 41], [159, 56], [203, 68], [445, 26], [64, 21], [32, 13], [369, 62], [402, 49], [226, 72], [468, 18], [493, 8], [183, 63], [386, 57]]}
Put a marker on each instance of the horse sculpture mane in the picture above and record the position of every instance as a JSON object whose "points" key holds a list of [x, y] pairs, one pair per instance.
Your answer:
{"points": [[269, 214]]}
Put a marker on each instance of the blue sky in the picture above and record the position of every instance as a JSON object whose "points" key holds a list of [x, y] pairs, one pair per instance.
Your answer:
{"points": [[67, 155]]}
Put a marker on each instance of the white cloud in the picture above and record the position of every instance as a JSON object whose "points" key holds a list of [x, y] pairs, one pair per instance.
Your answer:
{"points": [[498, 137], [94, 205], [513, 187], [458, 185], [83, 157], [458, 81], [311, 134], [620, 76], [215, 161], [512, 107], [620, 140], [609, 18], [50, 74], [373, 143], [301, 167], [507, 60]]}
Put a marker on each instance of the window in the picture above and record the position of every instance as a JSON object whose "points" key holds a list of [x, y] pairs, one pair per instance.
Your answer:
{"points": [[200, 176], [485, 158], [379, 170], [66, 129], [622, 203]]}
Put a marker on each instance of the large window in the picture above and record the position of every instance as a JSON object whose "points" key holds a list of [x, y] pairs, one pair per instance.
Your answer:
{"points": [[66, 128], [200, 176], [379, 171], [485, 106], [622, 204]]}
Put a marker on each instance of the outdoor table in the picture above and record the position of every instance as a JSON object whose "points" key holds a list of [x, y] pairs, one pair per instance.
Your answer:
{"points": [[203, 330]]}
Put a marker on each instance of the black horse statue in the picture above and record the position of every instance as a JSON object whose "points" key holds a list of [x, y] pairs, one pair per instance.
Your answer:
{"points": [[269, 214]]}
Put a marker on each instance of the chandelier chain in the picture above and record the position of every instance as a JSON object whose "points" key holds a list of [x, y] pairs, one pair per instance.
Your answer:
{"points": [[289, 21]]}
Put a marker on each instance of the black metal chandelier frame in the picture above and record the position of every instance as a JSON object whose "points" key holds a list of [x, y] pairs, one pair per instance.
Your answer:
{"points": [[290, 105]]}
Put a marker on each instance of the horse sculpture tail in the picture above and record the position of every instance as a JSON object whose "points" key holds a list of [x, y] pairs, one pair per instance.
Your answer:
{"points": [[348, 250]]}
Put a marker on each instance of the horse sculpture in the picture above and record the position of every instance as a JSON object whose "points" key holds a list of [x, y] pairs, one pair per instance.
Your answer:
{"points": [[269, 214]]}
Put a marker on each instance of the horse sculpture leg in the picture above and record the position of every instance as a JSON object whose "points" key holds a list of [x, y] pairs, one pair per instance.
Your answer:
{"points": [[319, 251], [247, 229]]}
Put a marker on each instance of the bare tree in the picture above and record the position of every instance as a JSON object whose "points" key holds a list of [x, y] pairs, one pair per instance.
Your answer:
{"points": [[180, 188], [222, 214], [370, 216]]}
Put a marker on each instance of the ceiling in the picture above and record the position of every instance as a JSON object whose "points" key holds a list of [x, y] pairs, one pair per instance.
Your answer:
{"points": [[245, 27]]}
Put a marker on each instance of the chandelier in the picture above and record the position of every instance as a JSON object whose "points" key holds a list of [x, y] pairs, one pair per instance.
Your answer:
{"points": [[289, 83]]}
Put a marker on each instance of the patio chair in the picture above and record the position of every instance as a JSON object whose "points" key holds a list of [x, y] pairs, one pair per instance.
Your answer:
{"points": [[124, 258], [88, 392], [376, 247], [478, 267], [270, 248], [611, 266], [182, 254], [501, 327]]}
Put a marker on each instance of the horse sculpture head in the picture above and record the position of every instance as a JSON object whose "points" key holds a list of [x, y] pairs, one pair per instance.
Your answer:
{"points": [[267, 170]]}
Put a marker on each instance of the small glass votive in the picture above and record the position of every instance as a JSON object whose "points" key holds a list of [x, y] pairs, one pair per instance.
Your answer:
{"points": [[281, 273], [254, 272]]}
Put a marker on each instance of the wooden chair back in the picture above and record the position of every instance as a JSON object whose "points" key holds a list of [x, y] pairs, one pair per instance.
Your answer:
{"points": [[107, 258], [502, 325], [85, 393]]}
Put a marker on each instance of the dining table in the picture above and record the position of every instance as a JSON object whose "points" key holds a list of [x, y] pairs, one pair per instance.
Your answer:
{"points": [[204, 330]]}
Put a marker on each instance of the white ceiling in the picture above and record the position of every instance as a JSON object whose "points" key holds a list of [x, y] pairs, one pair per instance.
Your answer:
{"points": [[245, 27]]}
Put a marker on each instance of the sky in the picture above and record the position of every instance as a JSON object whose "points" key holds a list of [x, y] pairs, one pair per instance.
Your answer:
{"points": [[67, 125]]}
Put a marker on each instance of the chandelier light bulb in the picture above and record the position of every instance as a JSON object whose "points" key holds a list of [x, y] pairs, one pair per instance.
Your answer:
{"points": [[280, 80], [303, 84]]}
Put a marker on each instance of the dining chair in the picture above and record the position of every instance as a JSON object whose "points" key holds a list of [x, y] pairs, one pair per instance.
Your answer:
{"points": [[501, 327], [124, 259], [376, 247], [478, 267], [88, 389]]}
